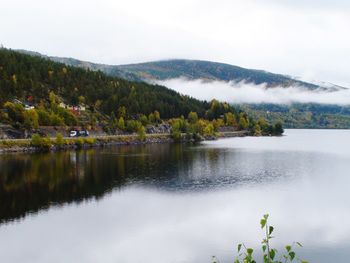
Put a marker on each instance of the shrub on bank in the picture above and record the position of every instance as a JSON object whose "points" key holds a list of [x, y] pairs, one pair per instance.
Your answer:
{"points": [[79, 142], [141, 133], [14, 143], [40, 142], [90, 141], [59, 141]]}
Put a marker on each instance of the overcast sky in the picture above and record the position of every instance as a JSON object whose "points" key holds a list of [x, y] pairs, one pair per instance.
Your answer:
{"points": [[309, 39]]}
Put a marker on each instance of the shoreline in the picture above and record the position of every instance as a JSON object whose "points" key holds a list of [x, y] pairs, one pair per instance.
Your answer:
{"points": [[25, 146]]}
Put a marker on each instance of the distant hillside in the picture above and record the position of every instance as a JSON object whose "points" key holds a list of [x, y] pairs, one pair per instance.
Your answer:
{"points": [[191, 69], [196, 69], [109, 70], [302, 116], [36, 91], [23, 76], [295, 116]]}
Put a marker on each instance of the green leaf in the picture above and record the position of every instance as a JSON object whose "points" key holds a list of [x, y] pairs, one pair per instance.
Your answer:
{"points": [[272, 254], [250, 251], [239, 247], [266, 216], [262, 223], [291, 255], [264, 248], [304, 261], [270, 230], [288, 248]]}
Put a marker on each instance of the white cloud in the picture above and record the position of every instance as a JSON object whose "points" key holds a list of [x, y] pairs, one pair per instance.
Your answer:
{"points": [[302, 38], [242, 92]]}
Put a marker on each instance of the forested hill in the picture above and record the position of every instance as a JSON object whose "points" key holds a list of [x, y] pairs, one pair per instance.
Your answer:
{"points": [[197, 69], [24, 76], [191, 69]]}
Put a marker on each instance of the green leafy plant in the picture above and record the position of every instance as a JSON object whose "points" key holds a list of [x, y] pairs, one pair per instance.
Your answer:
{"points": [[59, 141], [141, 133], [269, 255], [79, 142], [43, 143], [90, 141]]}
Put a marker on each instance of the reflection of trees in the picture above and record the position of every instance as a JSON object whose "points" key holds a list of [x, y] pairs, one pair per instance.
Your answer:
{"points": [[30, 182]]}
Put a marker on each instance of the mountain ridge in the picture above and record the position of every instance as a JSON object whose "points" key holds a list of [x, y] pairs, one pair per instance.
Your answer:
{"points": [[300, 116], [191, 69]]}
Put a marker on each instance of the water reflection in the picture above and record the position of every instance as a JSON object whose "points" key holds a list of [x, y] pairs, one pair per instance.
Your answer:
{"points": [[29, 183], [177, 203]]}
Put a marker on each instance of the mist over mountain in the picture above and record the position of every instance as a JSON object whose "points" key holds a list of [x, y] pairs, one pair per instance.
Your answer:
{"points": [[193, 70], [276, 97]]}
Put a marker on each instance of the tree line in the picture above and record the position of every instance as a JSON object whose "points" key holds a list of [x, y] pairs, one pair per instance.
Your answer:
{"points": [[115, 104]]}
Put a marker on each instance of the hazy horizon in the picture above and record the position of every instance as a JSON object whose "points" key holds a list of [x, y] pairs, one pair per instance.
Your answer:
{"points": [[243, 92], [298, 38]]}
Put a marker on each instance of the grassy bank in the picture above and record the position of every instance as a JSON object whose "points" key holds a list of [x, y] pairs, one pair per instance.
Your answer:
{"points": [[38, 143]]}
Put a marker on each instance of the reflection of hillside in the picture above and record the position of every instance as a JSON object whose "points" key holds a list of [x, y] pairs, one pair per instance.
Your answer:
{"points": [[32, 182]]}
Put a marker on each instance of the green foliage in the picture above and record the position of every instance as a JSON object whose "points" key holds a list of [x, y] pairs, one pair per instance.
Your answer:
{"points": [[141, 133], [217, 110], [122, 112], [30, 119], [43, 143], [47, 80], [113, 123], [269, 254], [121, 124], [133, 126], [14, 111], [230, 119], [44, 117], [209, 130], [277, 129], [48, 83], [176, 135], [4, 117], [176, 129], [217, 123], [192, 117], [157, 116], [257, 130], [53, 100], [79, 142], [306, 115], [143, 119], [14, 143], [90, 141], [56, 120], [67, 116], [243, 122], [154, 117], [59, 141]]}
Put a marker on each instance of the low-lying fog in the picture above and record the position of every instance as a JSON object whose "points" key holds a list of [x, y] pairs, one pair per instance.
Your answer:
{"points": [[242, 92]]}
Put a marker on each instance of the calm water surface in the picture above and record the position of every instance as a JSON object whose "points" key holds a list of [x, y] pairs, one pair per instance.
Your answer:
{"points": [[177, 203]]}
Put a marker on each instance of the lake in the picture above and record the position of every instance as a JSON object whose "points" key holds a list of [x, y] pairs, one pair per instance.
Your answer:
{"points": [[178, 203]]}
